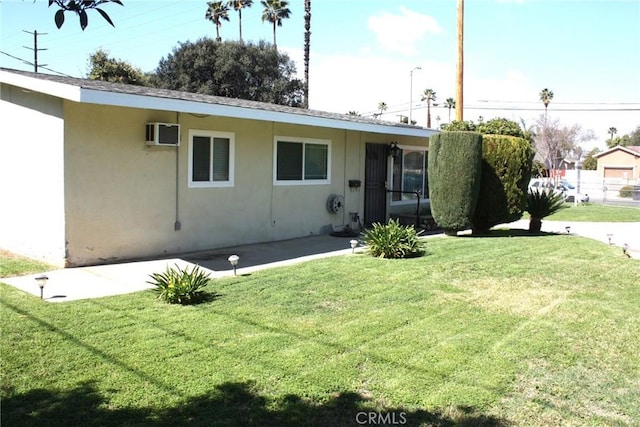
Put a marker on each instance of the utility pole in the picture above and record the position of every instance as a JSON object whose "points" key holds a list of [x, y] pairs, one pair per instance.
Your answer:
{"points": [[35, 48], [460, 64]]}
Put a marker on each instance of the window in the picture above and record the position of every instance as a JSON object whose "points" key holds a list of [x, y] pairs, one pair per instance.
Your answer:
{"points": [[410, 174], [210, 159], [301, 161]]}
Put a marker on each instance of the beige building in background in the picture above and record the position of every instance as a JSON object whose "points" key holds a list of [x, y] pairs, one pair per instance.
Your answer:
{"points": [[620, 163], [85, 180]]}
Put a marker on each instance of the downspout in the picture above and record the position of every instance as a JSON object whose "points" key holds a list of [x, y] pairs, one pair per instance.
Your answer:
{"points": [[344, 179], [176, 225]]}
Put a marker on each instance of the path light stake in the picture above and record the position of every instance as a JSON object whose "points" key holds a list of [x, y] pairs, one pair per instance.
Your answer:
{"points": [[609, 236], [354, 245], [625, 249], [233, 259], [568, 228], [42, 280]]}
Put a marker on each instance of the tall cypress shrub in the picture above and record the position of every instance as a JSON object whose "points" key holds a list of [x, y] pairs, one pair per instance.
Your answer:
{"points": [[506, 170], [454, 178]]}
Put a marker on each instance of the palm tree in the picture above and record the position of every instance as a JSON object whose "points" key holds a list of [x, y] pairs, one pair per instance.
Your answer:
{"points": [[307, 49], [238, 5], [612, 131], [216, 13], [460, 63], [546, 96], [382, 106], [450, 103], [275, 11], [428, 95]]}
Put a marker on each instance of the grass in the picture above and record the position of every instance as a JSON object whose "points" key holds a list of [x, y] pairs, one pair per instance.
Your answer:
{"points": [[590, 212], [13, 265], [505, 330]]}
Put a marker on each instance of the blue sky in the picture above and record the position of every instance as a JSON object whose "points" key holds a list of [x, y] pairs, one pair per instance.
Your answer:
{"points": [[586, 52]]}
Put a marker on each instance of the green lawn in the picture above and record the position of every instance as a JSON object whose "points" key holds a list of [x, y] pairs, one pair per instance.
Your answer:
{"points": [[590, 212], [503, 330]]}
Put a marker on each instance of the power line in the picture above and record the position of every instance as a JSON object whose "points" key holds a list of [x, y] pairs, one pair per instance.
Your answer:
{"points": [[31, 63]]}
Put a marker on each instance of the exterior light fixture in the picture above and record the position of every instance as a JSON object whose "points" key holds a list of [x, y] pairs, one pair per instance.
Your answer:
{"points": [[625, 250], [568, 228], [609, 236], [354, 245], [394, 150], [42, 280], [233, 259]]}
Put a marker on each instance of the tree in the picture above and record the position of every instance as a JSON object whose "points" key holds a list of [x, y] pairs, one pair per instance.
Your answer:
{"points": [[590, 162], [217, 12], [232, 69], [307, 49], [104, 68], [554, 141], [612, 131], [460, 126], [382, 106], [635, 136], [449, 104], [275, 11], [546, 96], [623, 141], [428, 95], [80, 8], [238, 5], [501, 126]]}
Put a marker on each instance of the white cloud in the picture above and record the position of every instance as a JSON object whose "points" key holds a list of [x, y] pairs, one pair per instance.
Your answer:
{"points": [[401, 33]]}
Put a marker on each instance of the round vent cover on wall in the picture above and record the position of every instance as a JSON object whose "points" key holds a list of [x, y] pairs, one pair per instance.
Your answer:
{"points": [[335, 203]]}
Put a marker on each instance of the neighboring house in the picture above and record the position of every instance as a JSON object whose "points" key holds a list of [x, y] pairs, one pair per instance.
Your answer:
{"points": [[619, 162], [81, 185]]}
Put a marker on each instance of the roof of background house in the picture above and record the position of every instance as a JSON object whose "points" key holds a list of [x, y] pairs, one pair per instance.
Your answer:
{"points": [[125, 95], [631, 149]]}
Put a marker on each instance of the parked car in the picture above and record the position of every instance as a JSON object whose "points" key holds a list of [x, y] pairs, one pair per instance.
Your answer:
{"points": [[567, 189]]}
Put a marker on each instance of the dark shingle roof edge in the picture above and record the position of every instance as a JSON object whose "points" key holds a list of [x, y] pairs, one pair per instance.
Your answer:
{"points": [[101, 92]]}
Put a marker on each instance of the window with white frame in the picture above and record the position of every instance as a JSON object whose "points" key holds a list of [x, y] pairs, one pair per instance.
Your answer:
{"points": [[301, 161], [410, 174], [211, 157]]}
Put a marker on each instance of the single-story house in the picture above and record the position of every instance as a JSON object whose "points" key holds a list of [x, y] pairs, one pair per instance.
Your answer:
{"points": [[619, 162], [95, 172]]}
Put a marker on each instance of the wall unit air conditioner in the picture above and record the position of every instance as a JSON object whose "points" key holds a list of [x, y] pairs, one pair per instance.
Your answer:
{"points": [[164, 134]]}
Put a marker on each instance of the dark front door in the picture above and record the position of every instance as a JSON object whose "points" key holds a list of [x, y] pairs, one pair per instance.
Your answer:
{"points": [[375, 176]]}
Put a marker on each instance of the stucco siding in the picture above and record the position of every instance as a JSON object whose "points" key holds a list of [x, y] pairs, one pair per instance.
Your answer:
{"points": [[31, 174], [123, 200], [620, 159]]}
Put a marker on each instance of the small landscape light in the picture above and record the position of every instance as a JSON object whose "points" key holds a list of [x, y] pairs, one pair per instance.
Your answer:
{"points": [[625, 250], [354, 245], [609, 236], [233, 259], [568, 228], [42, 280]]}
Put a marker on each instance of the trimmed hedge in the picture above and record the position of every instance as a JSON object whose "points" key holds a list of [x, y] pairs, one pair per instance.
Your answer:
{"points": [[454, 178], [505, 175]]}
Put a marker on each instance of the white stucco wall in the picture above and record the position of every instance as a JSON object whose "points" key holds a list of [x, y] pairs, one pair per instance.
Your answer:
{"points": [[121, 194], [31, 174]]}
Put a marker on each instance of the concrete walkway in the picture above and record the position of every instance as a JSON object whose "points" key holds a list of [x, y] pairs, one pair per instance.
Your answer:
{"points": [[99, 281]]}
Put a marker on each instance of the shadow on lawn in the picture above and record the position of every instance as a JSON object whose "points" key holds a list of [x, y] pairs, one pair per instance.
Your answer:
{"points": [[229, 404], [509, 232]]}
